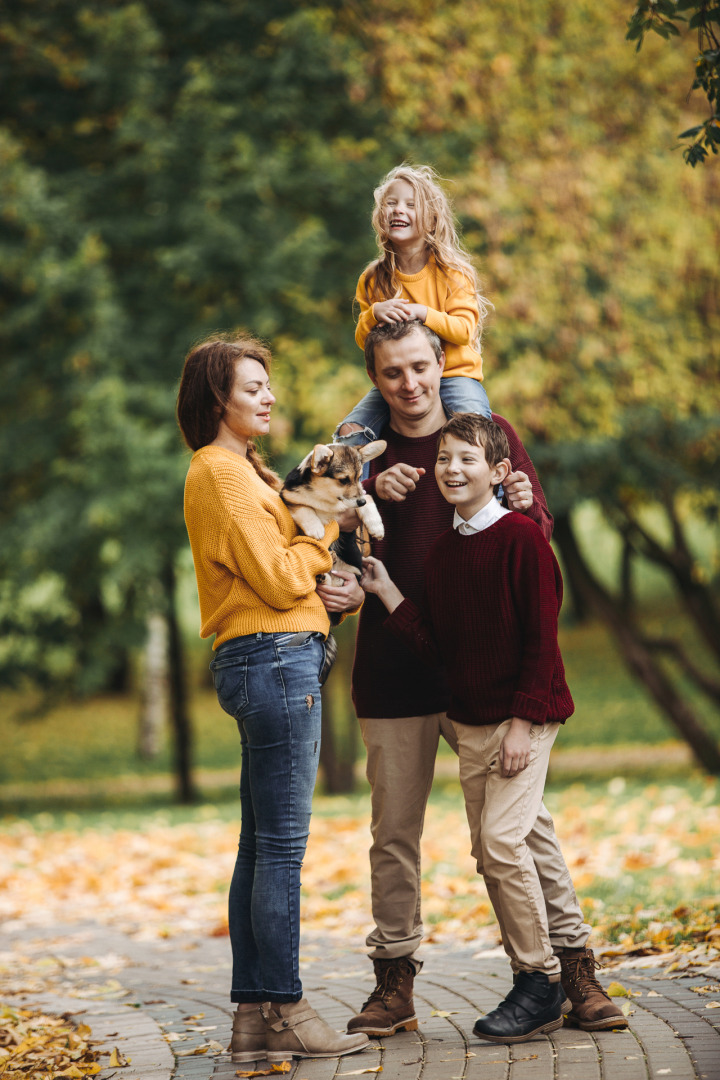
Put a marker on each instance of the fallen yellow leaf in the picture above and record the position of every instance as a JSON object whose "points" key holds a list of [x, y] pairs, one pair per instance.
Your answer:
{"points": [[616, 989], [118, 1060]]}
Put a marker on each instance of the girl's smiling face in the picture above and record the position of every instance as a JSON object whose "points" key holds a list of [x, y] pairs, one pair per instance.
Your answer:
{"points": [[401, 212], [464, 477]]}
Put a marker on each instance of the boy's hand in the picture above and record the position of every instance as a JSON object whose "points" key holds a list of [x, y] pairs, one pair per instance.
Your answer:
{"points": [[396, 483], [518, 490], [389, 311], [375, 579], [515, 747]]}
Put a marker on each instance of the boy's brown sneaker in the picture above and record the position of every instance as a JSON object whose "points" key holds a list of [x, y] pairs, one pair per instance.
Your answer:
{"points": [[592, 1009], [390, 1007]]}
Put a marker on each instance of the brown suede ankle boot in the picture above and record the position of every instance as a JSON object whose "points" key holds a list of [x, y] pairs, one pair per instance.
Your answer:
{"points": [[592, 1009], [249, 1034], [390, 1007]]}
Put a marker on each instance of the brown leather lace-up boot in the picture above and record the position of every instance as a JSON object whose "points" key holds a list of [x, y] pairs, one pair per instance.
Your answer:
{"points": [[592, 1009], [390, 1006]]}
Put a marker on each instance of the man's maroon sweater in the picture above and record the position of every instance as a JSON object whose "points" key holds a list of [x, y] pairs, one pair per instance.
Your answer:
{"points": [[389, 678], [489, 614]]}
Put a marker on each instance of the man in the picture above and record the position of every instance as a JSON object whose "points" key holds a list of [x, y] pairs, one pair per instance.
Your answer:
{"points": [[401, 702]]}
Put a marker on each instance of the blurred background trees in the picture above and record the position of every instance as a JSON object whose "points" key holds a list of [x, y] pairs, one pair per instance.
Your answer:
{"points": [[173, 168]]}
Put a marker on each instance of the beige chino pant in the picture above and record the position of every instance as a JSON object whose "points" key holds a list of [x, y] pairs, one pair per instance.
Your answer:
{"points": [[401, 756]]}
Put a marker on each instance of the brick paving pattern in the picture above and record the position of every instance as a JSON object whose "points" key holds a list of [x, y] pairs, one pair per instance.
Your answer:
{"points": [[178, 989]]}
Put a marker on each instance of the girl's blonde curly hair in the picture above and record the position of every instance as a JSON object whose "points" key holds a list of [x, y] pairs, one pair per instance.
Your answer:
{"points": [[437, 223]]}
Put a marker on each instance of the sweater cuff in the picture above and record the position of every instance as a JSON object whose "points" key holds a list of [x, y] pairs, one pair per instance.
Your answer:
{"points": [[529, 708], [369, 485], [404, 616]]}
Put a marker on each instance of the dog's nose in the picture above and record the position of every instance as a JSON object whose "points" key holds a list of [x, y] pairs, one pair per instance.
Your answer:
{"points": [[361, 502]]}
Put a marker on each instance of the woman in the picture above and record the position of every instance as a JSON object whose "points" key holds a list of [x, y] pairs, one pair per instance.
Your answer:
{"points": [[256, 583]]}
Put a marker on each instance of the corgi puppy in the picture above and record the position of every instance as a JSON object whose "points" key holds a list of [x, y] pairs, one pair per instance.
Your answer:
{"points": [[325, 484]]}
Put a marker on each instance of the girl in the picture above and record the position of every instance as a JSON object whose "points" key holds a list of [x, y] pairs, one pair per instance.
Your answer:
{"points": [[256, 584], [422, 273]]}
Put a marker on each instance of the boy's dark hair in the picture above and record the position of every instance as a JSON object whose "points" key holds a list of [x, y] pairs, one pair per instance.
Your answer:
{"points": [[478, 431], [394, 332]]}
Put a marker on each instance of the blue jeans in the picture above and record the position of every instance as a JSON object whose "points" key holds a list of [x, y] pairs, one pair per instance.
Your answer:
{"points": [[269, 683], [457, 393]]}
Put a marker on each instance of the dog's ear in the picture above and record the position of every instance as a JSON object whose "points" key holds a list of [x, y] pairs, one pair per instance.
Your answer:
{"points": [[320, 459], [373, 450]]}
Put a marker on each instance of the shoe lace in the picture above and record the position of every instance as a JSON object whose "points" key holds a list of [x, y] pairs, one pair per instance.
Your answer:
{"points": [[582, 973], [387, 985]]}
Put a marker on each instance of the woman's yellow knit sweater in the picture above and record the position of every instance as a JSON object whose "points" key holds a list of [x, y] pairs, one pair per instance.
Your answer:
{"points": [[254, 572]]}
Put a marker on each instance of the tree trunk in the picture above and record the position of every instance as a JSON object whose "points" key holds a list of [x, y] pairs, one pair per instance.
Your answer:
{"points": [[179, 715], [154, 692], [679, 563], [635, 653]]}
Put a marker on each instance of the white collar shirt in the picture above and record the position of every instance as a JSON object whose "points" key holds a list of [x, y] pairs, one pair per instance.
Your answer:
{"points": [[484, 518]]}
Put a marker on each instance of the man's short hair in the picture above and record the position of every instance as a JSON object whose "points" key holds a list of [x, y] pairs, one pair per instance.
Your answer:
{"points": [[394, 332], [478, 431]]}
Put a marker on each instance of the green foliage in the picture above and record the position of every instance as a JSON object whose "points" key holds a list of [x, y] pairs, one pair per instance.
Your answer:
{"points": [[661, 17], [167, 169]]}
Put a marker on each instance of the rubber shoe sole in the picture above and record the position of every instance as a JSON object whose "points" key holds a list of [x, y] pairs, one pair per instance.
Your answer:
{"points": [[276, 1056], [606, 1023], [410, 1024]]}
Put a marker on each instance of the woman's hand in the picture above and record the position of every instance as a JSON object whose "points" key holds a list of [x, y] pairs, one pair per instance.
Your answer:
{"points": [[346, 597], [518, 490]]}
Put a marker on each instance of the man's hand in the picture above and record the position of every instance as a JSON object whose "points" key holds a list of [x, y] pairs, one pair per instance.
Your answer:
{"points": [[515, 747], [518, 490], [346, 597], [396, 483], [390, 311], [375, 579]]}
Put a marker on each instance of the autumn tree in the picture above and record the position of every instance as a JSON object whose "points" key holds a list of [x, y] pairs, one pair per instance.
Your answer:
{"points": [[661, 17], [601, 259]]}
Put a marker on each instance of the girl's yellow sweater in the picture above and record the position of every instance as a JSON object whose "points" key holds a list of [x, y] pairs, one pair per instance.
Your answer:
{"points": [[254, 571], [452, 313]]}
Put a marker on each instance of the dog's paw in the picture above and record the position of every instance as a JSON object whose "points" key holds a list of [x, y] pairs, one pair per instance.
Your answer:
{"points": [[370, 517]]}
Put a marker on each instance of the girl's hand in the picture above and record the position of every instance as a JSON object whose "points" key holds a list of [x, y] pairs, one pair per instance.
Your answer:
{"points": [[515, 747], [418, 311], [346, 597], [389, 311]]}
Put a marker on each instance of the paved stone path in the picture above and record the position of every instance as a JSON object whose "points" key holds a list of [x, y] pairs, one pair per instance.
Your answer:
{"points": [[158, 1002]]}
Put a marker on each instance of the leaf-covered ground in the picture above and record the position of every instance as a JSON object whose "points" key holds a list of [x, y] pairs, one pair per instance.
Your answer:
{"points": [[645, 860], [34, 1046]]}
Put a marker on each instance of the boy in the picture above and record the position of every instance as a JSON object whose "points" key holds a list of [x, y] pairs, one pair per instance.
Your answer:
{"points": [[492, 594]]}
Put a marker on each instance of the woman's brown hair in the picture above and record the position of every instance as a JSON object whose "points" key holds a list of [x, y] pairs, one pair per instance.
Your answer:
{"points": [[205, 388]]}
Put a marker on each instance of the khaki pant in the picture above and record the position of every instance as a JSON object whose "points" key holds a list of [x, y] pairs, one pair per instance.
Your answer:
{"points": [[400, 765]]}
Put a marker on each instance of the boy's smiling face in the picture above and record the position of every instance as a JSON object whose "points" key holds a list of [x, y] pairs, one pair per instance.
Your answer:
{"points": [[464, 477]]}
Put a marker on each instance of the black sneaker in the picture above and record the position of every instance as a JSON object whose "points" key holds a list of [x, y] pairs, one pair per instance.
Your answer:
{"points": [[534, 1006]]}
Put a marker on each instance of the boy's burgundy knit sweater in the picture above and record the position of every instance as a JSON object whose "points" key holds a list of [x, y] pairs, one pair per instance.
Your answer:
{"points": [[489, 614], [389, 678]]}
